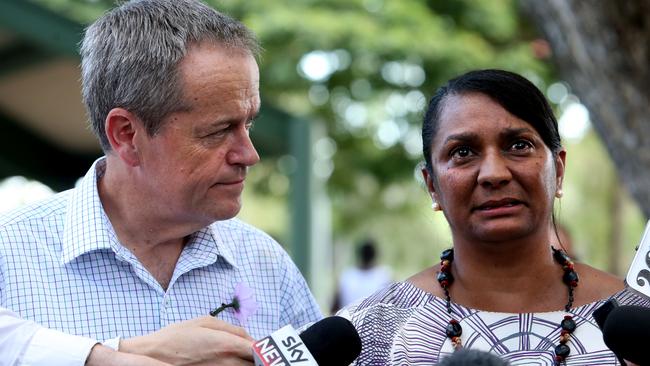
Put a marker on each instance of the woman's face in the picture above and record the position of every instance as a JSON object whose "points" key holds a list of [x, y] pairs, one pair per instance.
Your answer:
{"points": [[493, 176]]}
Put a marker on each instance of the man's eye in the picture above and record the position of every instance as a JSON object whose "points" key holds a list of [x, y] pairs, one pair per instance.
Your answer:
{"points": [[217, 133]]}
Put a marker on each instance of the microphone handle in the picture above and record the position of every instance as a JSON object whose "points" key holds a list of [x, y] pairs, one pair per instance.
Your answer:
{"points": [[601, 314]]}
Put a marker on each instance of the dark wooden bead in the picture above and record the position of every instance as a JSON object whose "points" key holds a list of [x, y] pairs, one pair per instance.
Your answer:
{"points": [[447, 254], [560, 256], [570, 278], [562, 350], [445, 276], [568, 324], [454, 329]]}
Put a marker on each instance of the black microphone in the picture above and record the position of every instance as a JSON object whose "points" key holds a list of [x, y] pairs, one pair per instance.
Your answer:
{"points": [[332, 341], [472, 357], [627, 333]]}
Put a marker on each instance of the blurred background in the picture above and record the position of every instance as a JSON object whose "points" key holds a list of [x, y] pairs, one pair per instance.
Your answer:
{"points": [[344, 85]]}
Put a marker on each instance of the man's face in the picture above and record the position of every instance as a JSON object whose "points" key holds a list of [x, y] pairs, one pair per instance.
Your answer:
{"points": [[196, 164]]}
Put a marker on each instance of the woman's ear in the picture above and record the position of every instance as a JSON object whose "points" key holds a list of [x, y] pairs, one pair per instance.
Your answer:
{"points": [[560, 161], [428, 180]]}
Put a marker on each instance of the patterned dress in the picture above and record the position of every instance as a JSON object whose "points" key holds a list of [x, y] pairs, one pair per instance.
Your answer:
{"points": [[404, 325]]}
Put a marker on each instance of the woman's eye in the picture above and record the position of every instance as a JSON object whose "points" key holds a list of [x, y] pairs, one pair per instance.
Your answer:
{"points": [[461, 152], [521, 145]]}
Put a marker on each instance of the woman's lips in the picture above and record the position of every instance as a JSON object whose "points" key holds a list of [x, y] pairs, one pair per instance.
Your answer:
{"points": [[498, 204]]}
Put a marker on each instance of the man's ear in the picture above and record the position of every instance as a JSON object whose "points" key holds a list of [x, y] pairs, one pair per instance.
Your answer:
{"points": [[122, 127]]}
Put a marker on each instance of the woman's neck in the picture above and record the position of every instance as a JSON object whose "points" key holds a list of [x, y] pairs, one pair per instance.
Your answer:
{"points": [[477, 260], [514, 276]]}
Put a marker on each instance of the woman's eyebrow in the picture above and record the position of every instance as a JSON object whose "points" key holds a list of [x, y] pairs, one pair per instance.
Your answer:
{"points": [[514, 132], [462, 137]]}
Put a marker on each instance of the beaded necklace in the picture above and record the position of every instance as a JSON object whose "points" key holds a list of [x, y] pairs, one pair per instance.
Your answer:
{"points": [[568, 325]]}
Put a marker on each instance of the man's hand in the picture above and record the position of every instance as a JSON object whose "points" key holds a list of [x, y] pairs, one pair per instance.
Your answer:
{"points": [[104, 356], [204, 341]]}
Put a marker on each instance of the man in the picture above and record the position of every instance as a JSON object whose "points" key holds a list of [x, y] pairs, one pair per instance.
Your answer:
{"points": [[148, 239]]}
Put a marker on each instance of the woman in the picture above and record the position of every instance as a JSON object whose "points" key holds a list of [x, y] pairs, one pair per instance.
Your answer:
{"points": [[494, 166]]}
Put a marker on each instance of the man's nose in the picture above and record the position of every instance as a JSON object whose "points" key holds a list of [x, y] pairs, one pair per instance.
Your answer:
{"points": [[243, 151]]}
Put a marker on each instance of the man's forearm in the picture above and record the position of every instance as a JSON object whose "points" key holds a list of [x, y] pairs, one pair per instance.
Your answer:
{"points": [[101, 355]]}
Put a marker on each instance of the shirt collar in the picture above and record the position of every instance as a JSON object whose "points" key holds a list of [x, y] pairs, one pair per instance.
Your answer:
{"points": [[204, 248], [223, 243], [87, 228]]}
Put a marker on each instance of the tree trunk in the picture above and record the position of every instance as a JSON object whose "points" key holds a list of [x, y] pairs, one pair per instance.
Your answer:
{"points": [[602, 49], [615, 241]]}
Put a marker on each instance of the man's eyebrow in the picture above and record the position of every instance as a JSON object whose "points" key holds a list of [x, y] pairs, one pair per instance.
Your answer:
{"points": [[215, 123]]}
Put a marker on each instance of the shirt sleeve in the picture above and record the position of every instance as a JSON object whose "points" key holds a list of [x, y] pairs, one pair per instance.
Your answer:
{"points": [[298, 301], [23, 343]]}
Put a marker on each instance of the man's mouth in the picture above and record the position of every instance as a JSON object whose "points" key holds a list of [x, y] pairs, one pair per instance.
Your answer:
{"points": [[231, 182]]}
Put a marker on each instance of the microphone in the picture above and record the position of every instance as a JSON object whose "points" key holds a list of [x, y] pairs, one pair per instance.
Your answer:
{"points": [[331, 341], [472, 357], [626, 328], [627, 331]]}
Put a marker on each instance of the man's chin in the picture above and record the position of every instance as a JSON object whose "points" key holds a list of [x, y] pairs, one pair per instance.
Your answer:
{"points": [[226, 212]]}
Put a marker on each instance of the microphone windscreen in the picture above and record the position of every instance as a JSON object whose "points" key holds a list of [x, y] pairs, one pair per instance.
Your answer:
{"points": [[472, 357], [627, 331], [332, 341], [601, 314]]}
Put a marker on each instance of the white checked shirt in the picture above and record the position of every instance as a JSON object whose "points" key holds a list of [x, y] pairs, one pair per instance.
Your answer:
{"points": [[62, 266]]}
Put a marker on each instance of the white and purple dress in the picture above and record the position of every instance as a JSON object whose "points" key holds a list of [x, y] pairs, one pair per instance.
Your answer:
{"points": [[404, 325]]}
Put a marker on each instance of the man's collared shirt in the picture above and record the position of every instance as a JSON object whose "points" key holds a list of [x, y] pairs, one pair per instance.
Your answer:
{"points": [[62, 266]]}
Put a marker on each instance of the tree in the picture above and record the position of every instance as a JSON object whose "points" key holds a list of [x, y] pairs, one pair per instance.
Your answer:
{"points": [[602, 48]]}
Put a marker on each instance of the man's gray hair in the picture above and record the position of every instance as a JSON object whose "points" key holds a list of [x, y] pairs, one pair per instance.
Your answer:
{"points": [[130, 57]]}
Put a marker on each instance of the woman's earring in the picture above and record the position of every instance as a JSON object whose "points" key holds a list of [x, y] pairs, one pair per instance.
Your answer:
{"points": [[559, 193], [436, 206]]}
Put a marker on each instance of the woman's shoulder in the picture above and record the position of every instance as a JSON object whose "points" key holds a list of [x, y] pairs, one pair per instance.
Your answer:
{"points": [[399, 295], [379, 318], [595, 284], [631, 297]]}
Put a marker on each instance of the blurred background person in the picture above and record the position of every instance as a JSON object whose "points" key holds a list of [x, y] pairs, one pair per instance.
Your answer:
{"points": [[364, 279]]}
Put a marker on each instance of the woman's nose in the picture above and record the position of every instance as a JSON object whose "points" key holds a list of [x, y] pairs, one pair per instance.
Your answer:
{"points": [[494, 170]]}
